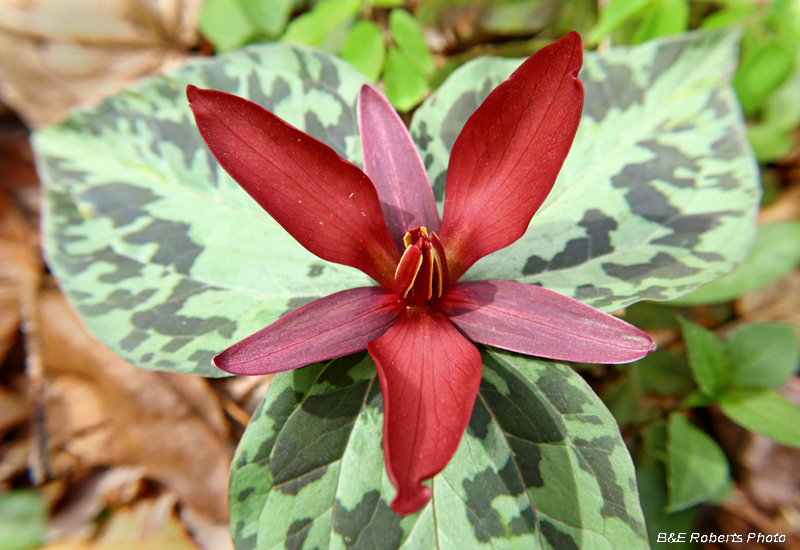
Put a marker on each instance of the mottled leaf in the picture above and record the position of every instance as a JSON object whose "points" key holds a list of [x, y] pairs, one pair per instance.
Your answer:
{"points": [[542, 465], [165, 257], [660, 189], [764, 411], [775, 252], [697, 467], [169, 262]]}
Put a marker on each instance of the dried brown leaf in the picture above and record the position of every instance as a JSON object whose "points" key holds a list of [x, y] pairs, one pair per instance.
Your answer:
{"points": [[13, 410], [778, 302], [59, 54], [19, 269], [148, 525], [107, 412], [13, 458]]}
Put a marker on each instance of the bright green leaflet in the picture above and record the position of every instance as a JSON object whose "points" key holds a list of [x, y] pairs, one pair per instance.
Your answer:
{"points": [[697, 467], [765, 355], [659, 191], [709, 358], [225, 24], [764, 411], [663, 19], [23, 520], [510, 17], [365, 50], [169, 262], [542, 465], [613, 15], [405, 83], [408, 36], [762, 73], [652, 480]]}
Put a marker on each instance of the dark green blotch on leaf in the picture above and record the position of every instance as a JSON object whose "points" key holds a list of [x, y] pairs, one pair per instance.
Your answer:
{"points": [[371, 525]]}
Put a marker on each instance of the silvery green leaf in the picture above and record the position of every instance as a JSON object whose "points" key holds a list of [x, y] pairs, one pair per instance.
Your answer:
{"points": [[542, 465]]}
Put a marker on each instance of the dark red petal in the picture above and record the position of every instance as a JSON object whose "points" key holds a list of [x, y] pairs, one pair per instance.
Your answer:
{"points": [[506, 159], [330, 327], [429, 377], [392, 162], [535, 321], [322, 200]]}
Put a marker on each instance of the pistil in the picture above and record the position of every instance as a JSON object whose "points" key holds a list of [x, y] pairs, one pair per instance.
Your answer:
{"points": [[421, 275]]}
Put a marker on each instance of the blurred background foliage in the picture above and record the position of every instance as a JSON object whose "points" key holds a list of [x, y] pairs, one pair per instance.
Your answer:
{"points": [[711, 418]]}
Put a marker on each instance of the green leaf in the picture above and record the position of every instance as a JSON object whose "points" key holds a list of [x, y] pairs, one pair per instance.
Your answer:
{"points": [[697, 467], [164, 256], [270, 17], [513, 18], [663, 18], [664, 373], [782, 109], [385, 3], [734, 13], [652, 480], [226, 24], [312, 28], [23, 520], [365, 50], [613, 15], [542, 465], [229, 24], [765, 355], [696, 399], [770, 141], [762, 72], [405, 84], [708, 357], [764, 411], [407, 34], [775, 252], [660, 190], [625, 401]]}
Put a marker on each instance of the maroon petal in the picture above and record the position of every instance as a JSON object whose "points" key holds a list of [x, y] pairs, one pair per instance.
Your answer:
{"points": [[328, 328], [322, 200], [392, 162], [506, 159], [535, 321], [429, 375]]}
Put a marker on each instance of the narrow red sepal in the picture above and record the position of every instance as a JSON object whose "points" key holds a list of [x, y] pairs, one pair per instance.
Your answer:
{"points": [[327, 328], [326, 203], [535, 321], [429, 375], [506, 159], [392, 162]]}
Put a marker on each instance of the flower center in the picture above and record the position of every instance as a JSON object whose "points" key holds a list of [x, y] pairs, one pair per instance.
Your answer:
{"points": [[421, 275]]}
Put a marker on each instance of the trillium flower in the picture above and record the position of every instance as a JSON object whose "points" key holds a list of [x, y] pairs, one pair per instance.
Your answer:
{"points": [[417, 325]]}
